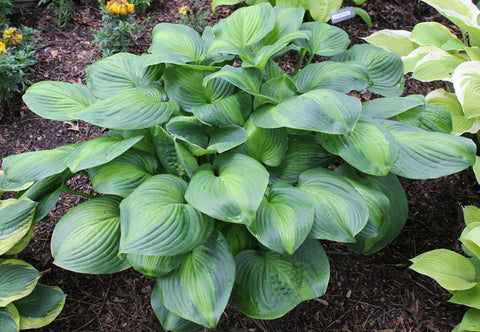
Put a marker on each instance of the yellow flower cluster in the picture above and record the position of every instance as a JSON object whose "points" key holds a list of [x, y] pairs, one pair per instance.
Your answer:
{"points": [[12, 36], [120, 7], [2, 48], [184, 10]]}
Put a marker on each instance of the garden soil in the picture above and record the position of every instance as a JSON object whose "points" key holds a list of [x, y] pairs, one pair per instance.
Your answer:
{"points": [[366, 293]]}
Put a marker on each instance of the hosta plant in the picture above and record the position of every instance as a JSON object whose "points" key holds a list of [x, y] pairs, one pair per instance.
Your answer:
{"points": [[220, 171], [24, 302], [456, 273], [433, 53]]}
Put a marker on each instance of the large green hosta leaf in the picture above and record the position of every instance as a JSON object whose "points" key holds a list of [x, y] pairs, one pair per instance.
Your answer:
{"points": [[321, 110], [156, 219], [369, 147], [120, 73], [340, 211], [288, 20], [15, 221], [199, 289], [437, 65], [230, 190], [429, 117], [466, 80], [326, 40], [395, 41], [268, 284], [385, 108], [58, 100], [155, 266], [9, 318], [124, 173], [17, 280], [284, 219], [86, 239], [385, 68], [229, 111], [9, 185], [320, 10], [40, 307], [427, 155], [436, 34]]}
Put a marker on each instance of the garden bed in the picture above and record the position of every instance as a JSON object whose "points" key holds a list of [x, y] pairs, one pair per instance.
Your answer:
{"points": [[365, 293]]}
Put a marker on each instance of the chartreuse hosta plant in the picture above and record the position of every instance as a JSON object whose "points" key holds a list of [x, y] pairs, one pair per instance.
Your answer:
{"points": [[433, 53], [216, 176], [319, 10], [458, 274], [24, 302]]}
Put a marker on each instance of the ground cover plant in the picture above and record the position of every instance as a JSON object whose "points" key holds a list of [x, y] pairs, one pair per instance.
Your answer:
{"points": [[333, 286]]}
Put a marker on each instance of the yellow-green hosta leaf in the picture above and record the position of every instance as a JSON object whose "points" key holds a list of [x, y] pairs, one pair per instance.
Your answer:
{"points": [[23, 242], [449, 101], [471, 214], [469, 297], [87, 238], [156, 219], [169, 320], [466, 80], [199, 289], [411, 60], [124, 173], [284, 219], [16, 217], [9, 318], [429, 117], [120, 73], [155, 266], [288, 19], [230, 190], [395, 41], [471, 238], [476, 168], [40, 307], [321, 110], [369, 147], [229, 111], [436, 34], [437, 66], [17, 280], [278, 89], [58, 100], [451, 270], [326, 40], [340, 211], [320, 10], [268, 284], [470, 321], [245, 78]]}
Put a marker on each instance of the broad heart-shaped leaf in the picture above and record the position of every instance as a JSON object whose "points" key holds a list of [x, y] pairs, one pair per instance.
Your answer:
{"points": [[8, 185], [385, 108], [429, 117], [177, 44], [155, 266], [468, 297], [230, 190], [17, 280], [133, 109], [437, 65], [36, 165], [58, 100], [9, 318], [277, 89], [86, 239], [265, 145], [40, 307], [199, 289], [156, 220], [120, 73], [99, 151], [427, 155], [169, 320], [229, 111], [436, 34], [124, 173], [386, 218], [449, 101], [395, 41], [321, 110], [342, 77], [244, 27], [451, 270], [385, 68], [288, 20], [340, 211], [185, 84], [326, 40], [268, 284], [247, 79], [466, 80], [16, 217], [284, 219], [369, 147], [320, 10], [304, 152]]}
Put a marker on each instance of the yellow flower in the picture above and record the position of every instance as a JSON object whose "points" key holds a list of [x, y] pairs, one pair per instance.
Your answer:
{"points": [[2, 48], [184, 10], [12, 36], [120, 7]]}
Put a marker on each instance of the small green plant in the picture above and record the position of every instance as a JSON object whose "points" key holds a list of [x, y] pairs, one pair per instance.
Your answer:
{"points": [[6, 7], [119, 25], [24, 302], [319, 10], [194, 18], [65, 10], [16, 60], [458, 274], [220, 171]]}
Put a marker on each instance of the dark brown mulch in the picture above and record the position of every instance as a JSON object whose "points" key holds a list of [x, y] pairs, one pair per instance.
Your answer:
{"points": [[366, 293]]}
